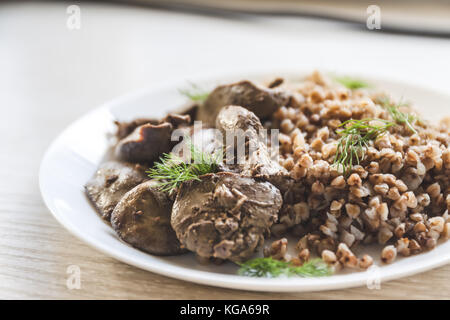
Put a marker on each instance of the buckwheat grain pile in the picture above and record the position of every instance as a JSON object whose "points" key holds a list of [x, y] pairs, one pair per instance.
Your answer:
{"points": [[398, 195]]}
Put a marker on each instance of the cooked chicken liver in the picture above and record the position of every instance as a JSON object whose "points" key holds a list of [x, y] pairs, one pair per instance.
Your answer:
{"points": [[237, 121], [124, 128], [148, 141], [142, 219], [110, 182], [225, 215], [262, 101], [203, 140]]}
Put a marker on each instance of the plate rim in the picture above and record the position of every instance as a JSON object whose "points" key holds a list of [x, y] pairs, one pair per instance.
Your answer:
{"points": [[216, 279]]}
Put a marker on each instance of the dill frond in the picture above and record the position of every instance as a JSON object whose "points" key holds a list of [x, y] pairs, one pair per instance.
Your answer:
{"points": [[398, 116], [195, 93], [171, 171], [354, 140], [271, 268], [352, 83]]}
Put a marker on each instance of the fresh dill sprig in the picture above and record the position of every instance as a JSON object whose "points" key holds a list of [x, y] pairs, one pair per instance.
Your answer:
{"points": [[195, 93], [271, 268], [398, 116], [352, 83], [172, 171], [354, 140]]}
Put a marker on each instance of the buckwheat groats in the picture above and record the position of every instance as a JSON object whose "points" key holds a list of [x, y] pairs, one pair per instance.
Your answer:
{"points": [[392, 188]]}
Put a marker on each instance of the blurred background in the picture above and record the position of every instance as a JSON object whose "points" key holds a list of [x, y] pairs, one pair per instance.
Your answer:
{"points": [[45, 57], [65, 57], [60, 59], [425, 17]]}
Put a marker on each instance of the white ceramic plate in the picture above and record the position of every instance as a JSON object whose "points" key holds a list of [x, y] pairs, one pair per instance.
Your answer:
{"points": [[74, 156]]}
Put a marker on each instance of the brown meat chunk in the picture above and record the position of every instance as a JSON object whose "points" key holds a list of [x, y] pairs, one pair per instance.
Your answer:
{"points": [[225, 215], [262, 101], [110, 182], [124, 128], [240, 122], [142, 219], [149, 141]]}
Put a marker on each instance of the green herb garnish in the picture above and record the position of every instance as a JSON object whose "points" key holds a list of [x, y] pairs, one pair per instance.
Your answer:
{"points": [[399, 116], [354, 141], [172, 171], [271, 268], [352, 83], [195, 93]]}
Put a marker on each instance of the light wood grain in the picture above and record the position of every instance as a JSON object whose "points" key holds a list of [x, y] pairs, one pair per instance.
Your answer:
{"points": [[50, 76]]}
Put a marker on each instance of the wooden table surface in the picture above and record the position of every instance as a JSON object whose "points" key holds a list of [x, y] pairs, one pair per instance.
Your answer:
{"points": [[50, 76]]}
